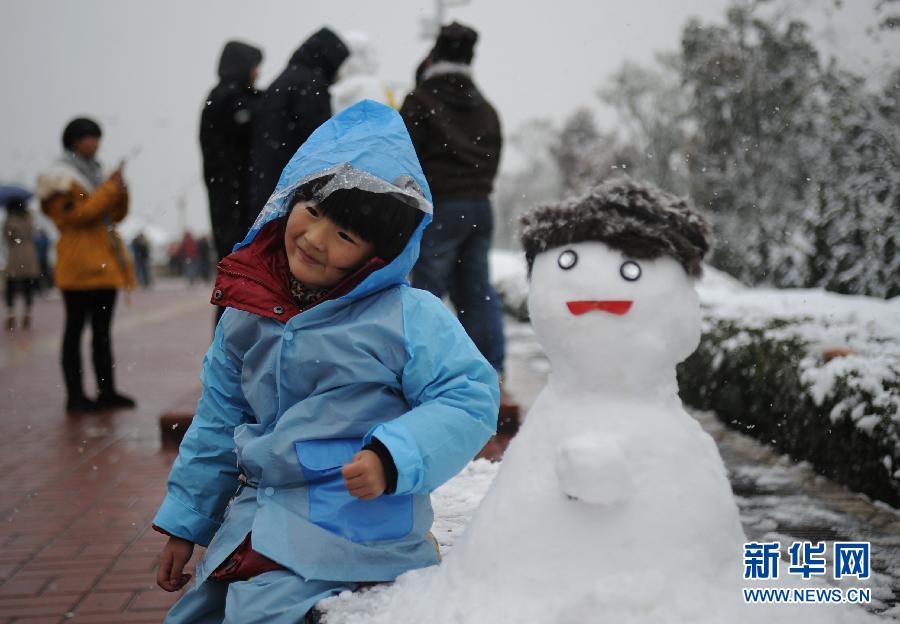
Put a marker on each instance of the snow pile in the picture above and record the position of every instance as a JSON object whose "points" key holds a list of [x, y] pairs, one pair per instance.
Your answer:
{"points": [[509, 276], [457, 500]]}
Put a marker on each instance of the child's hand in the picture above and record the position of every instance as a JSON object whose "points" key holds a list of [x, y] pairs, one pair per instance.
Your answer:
{"points": [[364, 476], [175, 555]]}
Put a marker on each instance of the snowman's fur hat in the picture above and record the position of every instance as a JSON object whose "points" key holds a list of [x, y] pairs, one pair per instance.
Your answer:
{"points": [[634, 217]]}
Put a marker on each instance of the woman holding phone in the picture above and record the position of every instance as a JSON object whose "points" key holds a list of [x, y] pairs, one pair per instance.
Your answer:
{"points": [[91, 261]]}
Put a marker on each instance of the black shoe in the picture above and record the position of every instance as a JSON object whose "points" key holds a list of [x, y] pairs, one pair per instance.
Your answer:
{"points": [[114, 400], [80, 405]]}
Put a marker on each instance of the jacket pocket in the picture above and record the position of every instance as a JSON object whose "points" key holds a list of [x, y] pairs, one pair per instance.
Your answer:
{"points": [[333, 508]]}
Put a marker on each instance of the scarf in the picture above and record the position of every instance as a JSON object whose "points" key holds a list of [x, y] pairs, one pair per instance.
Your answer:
{"points": [[442, 68], [89, 168], [306, 297]]}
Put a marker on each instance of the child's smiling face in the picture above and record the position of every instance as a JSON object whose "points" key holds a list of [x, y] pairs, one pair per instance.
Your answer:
{"points": [[321, 253]]}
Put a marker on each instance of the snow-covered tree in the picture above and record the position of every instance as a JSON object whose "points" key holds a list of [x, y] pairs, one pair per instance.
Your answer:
{"points": [[584, 155], [853, 202], [532, 180], [653, 114], [799, 163], [752, 87]]}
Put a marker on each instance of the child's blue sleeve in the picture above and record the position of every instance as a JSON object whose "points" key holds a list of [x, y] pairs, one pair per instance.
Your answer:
{"points": [[205, 473], [454, 396]]}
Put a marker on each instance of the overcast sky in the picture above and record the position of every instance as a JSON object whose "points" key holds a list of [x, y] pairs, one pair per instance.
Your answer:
{"points": [[142, 68]]}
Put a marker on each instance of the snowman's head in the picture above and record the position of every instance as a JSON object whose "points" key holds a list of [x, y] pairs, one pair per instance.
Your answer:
{"points": [[612, 279]]}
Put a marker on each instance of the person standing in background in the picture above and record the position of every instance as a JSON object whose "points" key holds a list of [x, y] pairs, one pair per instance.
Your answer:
{"points": [[189, 257], [456, 133], [295, 104], [22, 268], [42, 244], [226, 132], [226, 135], [140, 251], [91, 260], [204, 270]]}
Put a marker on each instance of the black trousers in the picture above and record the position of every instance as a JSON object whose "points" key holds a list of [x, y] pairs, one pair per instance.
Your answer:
{"points": [[14, 285], [98, 306]]}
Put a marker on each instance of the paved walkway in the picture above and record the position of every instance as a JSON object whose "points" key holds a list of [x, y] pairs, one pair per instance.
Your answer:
{"points": [[80, 491]]}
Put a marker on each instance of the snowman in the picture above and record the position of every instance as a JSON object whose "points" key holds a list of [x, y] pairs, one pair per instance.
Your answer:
{"points": [[611, 497], [611, 504]]}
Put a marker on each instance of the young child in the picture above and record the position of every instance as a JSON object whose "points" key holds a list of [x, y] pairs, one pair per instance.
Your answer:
{"points": [[335, 397], [22, 267]]}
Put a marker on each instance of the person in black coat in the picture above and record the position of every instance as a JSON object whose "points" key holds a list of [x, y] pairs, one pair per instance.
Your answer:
{"points": [[293, 106], [225, 141]]}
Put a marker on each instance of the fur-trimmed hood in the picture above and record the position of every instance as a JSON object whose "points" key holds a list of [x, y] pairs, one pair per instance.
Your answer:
{"points": [[58, 177], [634, 217]]}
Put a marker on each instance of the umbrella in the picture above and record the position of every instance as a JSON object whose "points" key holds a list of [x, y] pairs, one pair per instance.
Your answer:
{"points": [[12, 192]]}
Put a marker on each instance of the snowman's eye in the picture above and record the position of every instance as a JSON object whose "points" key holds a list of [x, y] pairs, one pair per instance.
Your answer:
{"points": [[630, 271], [567, 259]]}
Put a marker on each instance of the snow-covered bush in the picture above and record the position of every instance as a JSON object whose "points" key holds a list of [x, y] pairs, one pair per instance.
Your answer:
{"points": [[815, 374], [757, 383]]}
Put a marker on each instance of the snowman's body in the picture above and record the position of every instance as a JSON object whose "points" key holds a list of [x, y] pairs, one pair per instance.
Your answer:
{"points": [[611, 500], [610, 489]]}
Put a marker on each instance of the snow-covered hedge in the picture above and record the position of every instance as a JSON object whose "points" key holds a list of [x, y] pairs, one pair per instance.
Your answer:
{"points": [[758, 383], [813, 373]]}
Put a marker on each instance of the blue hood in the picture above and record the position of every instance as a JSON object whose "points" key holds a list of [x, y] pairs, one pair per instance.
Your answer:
{"points": [[367, 147]]}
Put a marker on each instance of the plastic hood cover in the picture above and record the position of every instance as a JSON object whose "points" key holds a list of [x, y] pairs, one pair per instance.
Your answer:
{"points": [[364, 147]]}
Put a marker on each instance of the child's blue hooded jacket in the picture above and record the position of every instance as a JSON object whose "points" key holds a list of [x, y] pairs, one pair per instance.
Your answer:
{"points": [[289, 401]]}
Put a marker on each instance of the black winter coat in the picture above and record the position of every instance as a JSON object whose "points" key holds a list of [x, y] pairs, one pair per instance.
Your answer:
{"points": [[456, 133], [294, 105], [225, 141]]}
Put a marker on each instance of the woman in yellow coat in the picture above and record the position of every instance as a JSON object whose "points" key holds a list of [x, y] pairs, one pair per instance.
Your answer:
{"points": [[91, 261]]}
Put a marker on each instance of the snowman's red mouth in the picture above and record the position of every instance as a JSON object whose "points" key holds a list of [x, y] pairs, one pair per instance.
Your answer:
{"points": [[613, 307]]}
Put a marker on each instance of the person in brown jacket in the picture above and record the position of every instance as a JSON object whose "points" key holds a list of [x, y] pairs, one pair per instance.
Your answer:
{"points": [[21, 262], [91, 261], [457, 135]]}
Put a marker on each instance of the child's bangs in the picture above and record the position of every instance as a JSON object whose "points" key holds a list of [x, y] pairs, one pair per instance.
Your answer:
{"points": [[383, 219], [359, 211]]}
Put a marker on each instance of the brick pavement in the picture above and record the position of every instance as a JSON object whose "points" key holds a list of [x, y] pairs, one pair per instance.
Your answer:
{"points": [[80, 492]]}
